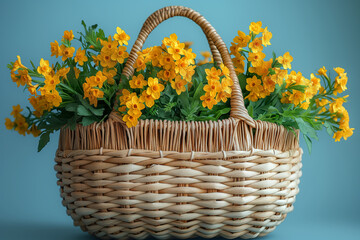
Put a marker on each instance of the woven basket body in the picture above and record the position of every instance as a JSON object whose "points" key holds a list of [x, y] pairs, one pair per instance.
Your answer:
{"points": [[232, 178]]}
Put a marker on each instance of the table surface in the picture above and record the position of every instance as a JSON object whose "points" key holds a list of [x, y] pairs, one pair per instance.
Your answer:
{"points": [[290, 229]]}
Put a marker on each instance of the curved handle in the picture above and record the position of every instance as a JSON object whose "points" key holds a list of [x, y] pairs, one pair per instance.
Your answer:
{"points": [[238, 109]]}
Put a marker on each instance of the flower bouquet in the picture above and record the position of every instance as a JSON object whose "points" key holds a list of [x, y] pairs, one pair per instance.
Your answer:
{"points": [[157, 138]]}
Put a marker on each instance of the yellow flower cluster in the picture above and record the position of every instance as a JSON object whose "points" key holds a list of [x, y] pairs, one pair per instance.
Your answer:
{"points": [[299, 98], [207, 58], [19, 124], [64, 51], [177, 64], [112, 51], [336, 107], [92, 87], [255, 45], [218, 87]]}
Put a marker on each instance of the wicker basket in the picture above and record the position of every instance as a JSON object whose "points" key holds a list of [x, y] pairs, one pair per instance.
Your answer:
{"points": [[170, 179]]}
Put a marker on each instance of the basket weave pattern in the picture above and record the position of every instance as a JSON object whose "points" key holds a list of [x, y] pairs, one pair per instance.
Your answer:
{"points": [[170, 179]]}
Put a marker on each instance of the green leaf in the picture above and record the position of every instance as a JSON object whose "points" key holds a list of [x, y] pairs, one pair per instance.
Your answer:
{"points": [[88, 120], [222, 112], [300, 88], [250, 109], [95, 111], [199, 91], [308, 142], [329, 129], [82, 111], [242, 81], [71, 107], [44, 139], [306, 128]]}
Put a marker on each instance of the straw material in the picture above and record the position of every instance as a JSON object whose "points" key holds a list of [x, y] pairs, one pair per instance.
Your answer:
{"points": [[172, 179]]}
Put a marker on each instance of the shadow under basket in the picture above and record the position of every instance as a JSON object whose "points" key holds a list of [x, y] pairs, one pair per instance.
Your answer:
{"points": [[172, 179]]}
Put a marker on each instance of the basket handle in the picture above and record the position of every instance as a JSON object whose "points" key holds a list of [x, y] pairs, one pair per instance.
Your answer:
{"points": [[238, 109]]}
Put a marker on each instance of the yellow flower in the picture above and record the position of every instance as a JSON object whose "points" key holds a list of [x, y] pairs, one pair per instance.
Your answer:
{"points": [[51, 82], [105, 60], [130, 120], [140, 63], [253, 96], [166, 75], [110, 74], [256, 45], [62, 72], [322, 71], [80, 56], [121, 36], [208, 101], [256, 59], [21, 125], [32, 89], [52, 97], [44, 67], [252, 83], [17, 64], [255, 27], [155, 56], [179, 85], [242, 39], [190, 71], [338, 70], [120, 54], [92, 93], [224, 70], [296, 97], [285, 60], [336, 105], [126, 96], [340, 82], [122, 109], [22, 78], [135, 105], [239, 64], [269, 84], [168, 41], [55, 49], [167, 61], [180, 66], [34, 131], [147, 99], [212, 87], [66, 52], [176, 49], [138, 81], [344, 133], [109, 46], [68, 35], [155, 88], [213, 74], [97, 80], [266, 36], [206, 54], [16, 111], [189, 56], [188, 44], [9, 124], [225, 90], [255, 88], [77, 72], [262, 69]]}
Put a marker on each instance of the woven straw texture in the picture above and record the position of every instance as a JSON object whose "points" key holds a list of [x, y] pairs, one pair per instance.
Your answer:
{"points": [[170, 179]]}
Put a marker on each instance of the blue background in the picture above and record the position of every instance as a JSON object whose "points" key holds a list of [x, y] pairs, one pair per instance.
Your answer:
{"points": [[316, 33]]}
